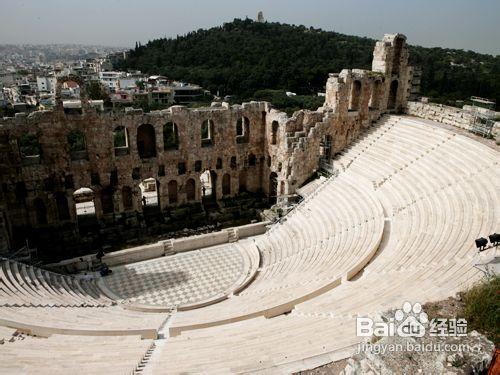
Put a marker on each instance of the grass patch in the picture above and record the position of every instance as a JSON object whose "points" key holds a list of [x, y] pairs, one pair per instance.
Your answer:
{"points": [[482, 308]]}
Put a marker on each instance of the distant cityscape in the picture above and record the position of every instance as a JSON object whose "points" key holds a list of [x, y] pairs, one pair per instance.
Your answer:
{"points": [[29, 73]]}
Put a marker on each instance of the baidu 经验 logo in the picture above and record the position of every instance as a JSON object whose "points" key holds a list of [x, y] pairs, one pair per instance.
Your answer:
{"points": [[407, 322]]}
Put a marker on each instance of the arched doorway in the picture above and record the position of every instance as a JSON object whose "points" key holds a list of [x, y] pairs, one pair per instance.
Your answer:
{"points": [[85, 210], [107, 203], [146, 141], [226, 184], [172, 192], [62, 206], [208, 182], [149, 193], [127, 198], [355, 96], [190, 190], [375, 95], [242, 182], [393, 92], [84, 202], [273, 188]]}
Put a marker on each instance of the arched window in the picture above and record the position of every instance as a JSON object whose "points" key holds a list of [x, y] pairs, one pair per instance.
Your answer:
{"points": [[233, 162], [393, 92], [29, 146], [242, 181], [77, 145], [375, 95], [120, 140], [190, 190], [218, 165], [170, 136], [40, 211], [226, 184], [274, 132], [107, 200], [127, 198], [62, 206], [355, 96], [146, 141], [243, 130], [207, 133], [239, 127], [172, 192]]}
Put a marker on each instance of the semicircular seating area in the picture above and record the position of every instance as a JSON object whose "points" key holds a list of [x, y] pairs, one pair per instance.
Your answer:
{"points": [[396, 224], [328, 237], [438, 194], [43, 303]]}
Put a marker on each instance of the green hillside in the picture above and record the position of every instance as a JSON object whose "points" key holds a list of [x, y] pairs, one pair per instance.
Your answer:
{"points": [[242, 57]]}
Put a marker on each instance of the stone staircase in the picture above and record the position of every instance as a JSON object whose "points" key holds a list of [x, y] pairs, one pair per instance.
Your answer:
{"points": [[232, 235]]}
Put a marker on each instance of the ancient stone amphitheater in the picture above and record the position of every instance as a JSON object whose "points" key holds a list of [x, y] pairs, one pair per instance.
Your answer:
{"points": [[395, 222]]}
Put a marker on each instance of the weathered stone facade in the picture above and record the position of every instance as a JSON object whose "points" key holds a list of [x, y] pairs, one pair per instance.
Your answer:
{"points": [[440, 113], [249, 147]]}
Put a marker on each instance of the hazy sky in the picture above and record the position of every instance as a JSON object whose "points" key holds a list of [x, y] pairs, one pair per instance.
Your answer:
{"points": [[466, 24]]}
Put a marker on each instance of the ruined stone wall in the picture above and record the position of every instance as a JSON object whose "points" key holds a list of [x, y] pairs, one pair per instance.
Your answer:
{"points": [[275, 155], [440, 113], [354, 100]]}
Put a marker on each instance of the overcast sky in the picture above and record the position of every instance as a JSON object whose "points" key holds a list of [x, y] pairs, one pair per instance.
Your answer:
{"points": [[465, 24]]}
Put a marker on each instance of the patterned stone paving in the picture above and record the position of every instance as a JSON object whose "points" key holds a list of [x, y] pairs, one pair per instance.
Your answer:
{"points": [[178, 279]]}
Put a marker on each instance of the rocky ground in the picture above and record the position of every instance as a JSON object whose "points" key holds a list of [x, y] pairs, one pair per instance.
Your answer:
{"points": [[471, 354]]}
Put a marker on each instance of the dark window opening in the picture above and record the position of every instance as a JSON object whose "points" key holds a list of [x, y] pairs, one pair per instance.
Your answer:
{"points": [[170, 136], [274, 132], [146, 141], [181, 168], [207, 133]]}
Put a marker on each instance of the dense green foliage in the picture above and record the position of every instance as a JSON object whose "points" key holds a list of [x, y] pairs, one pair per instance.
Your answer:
{"points": [[243, 57], [96, 91]]}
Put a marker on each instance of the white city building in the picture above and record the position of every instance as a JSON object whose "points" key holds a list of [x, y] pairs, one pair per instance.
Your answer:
{"points": [[46, 84]]}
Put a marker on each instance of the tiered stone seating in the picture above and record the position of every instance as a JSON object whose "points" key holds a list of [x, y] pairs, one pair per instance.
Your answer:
{"points": [[306, 255], [74, 354], [23, 285], [40, 302], [397, 224], [438, 195]]}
